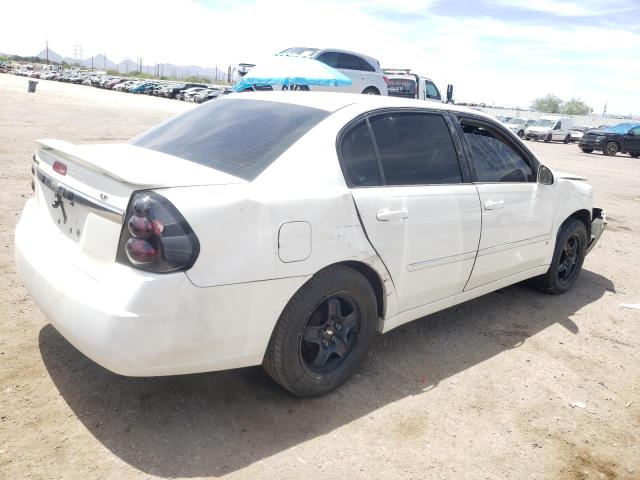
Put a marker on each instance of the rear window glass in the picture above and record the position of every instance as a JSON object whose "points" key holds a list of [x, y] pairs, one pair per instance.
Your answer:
{"points": [[238, 137], [401, 87]]}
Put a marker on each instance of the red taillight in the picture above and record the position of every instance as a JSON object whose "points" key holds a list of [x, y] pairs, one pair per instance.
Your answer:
{"points": [[386, 80], [140, 251], [155, 237], [59, 167]]}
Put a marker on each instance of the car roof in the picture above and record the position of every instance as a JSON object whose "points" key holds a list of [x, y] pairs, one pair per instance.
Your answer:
{"points": [[333, 101], [319, 51]]}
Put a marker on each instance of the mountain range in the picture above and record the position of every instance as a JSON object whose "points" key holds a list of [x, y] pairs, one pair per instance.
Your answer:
{"points": [[101, 62]]}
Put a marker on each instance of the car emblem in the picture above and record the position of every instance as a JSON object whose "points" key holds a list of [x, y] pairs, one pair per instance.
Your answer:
{"points": [[104, 197], [58, 203]]}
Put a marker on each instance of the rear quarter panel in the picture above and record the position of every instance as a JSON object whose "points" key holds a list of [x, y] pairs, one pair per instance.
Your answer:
{"points": [[238, 225]]}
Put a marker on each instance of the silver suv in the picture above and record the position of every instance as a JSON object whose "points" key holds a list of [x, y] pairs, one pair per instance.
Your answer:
{"points": [[364, 71]]}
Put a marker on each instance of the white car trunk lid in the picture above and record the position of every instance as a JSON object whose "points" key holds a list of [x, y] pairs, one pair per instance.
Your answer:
{"points": [[85, 189]]}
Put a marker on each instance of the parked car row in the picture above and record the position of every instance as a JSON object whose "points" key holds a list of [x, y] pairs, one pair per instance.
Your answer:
{"points": [[189, 92], [610, 140]]}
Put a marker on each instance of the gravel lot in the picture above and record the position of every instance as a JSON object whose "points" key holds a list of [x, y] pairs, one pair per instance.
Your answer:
{"points": [[482, 390]]}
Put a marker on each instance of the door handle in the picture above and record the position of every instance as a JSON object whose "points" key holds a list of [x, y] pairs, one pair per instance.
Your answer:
{"points": [[494, 204], [386, 214]]}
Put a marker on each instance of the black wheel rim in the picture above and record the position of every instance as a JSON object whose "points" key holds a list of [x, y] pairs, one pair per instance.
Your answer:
{"points": [[569, 258], [331, 333]]}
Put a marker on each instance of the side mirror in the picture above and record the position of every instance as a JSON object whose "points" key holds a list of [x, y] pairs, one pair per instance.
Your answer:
{"points": [[545, 176]]}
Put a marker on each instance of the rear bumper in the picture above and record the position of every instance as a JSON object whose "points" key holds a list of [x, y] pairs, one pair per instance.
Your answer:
{"points": [[598, 224], [141, 324]]}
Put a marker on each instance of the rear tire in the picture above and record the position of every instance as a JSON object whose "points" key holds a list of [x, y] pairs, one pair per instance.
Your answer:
{"points": [[371, 91], [635, 154], [568, 257], [610, 149], [324, 333], [587, 150]]}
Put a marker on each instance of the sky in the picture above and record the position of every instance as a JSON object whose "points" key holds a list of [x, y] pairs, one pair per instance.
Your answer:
{"points": [[502, 52]]}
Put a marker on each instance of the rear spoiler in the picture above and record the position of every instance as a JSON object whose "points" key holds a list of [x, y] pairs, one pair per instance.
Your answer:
{"points": [[69, 152]]}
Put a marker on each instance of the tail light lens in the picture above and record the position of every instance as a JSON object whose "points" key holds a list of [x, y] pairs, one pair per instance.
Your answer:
{"points": [[386, 79], [155, 237]]}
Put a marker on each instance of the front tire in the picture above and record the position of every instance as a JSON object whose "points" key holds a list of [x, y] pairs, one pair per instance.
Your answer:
{"points": [[610, 149], [635, 154], [371, 91], [324, 333], [521, 133], [568, 257], [587, 150], [567, 139], [547, 139]]}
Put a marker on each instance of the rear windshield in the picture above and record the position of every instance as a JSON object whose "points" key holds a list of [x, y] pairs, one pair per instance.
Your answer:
{"points": [[401, 87], [238, 137]]}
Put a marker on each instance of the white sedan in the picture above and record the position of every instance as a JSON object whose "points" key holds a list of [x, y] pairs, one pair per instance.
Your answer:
{"points": [[286, 229]]}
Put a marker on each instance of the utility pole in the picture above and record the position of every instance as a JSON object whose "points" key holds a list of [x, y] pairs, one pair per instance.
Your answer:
{"points": [[104, 62], [92, 63], [77, 53], [47, 49]]}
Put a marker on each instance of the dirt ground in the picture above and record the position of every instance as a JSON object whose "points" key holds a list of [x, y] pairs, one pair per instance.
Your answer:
{"points": [[482, 390]]}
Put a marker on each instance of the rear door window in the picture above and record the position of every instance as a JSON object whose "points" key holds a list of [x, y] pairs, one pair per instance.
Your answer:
{"points": [[359, 157], [238, 137], [402, 87], [495, 157], [415, 149]]}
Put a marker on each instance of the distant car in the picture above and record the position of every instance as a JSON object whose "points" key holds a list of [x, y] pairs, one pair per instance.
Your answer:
{"points": [[406, 84], [188, 94], [364, 71], [171, 90], [577, 133], [516, 125], [113, 82], [123, 86], [551, 127], [503, 119], [623, 138], [208, 94], [142, 87]]}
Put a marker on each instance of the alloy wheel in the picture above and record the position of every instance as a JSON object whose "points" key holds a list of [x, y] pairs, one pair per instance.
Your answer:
{"points": [[568, 261], [331, 333]]}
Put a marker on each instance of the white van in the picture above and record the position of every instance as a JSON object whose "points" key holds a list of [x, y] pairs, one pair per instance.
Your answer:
{"points": [[548, 128]]}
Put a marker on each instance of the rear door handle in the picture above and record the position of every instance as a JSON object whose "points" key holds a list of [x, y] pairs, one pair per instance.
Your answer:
{"points": [[494, 204], [386, 214]]}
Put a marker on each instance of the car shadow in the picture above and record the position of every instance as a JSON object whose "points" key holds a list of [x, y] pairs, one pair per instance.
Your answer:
{"points": [[215, 423]]}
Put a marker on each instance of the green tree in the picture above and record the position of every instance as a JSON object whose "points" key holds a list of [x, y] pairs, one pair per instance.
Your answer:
{"points": [[547, 104], [575, 106]]}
